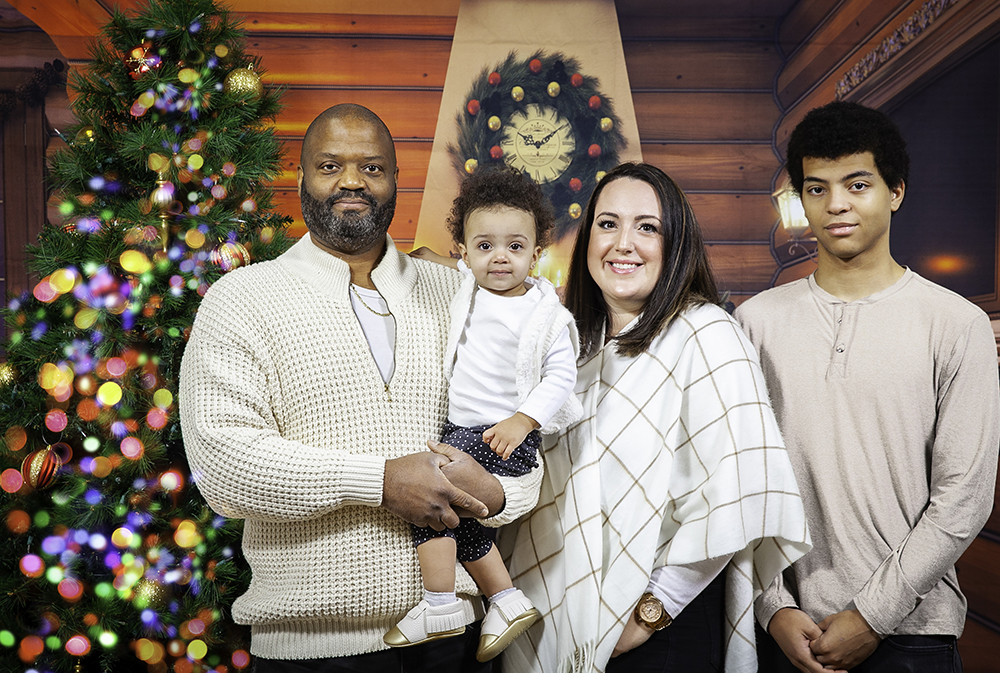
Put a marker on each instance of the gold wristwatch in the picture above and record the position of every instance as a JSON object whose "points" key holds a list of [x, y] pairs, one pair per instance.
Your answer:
{"points": [[649, 612]]}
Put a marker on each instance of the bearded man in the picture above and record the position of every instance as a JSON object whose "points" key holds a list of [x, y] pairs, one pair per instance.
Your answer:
{"points": [[309, 389]]}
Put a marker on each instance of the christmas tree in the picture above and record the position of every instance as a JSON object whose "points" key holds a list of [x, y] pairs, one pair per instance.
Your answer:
{"points": [[111, 560]]}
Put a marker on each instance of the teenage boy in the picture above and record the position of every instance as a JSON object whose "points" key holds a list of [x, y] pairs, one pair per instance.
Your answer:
{"points": [[885, 387]]}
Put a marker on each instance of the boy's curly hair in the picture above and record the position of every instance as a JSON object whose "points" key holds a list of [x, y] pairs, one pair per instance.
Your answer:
{"points": [[495, 187], [840, 129]]}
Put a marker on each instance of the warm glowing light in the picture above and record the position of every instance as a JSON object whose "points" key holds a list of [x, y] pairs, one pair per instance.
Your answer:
{"points": [[109, 393], [197, 649], [948, 264], [187, 534], [18, 521], [116, 366], [15, 438], [171, 480], [31, 647], [163, 398], [11, 480], [793, 216], [56, 420], [78, 646], [135, 262], [121, 538], [132, 447], [32, 565], [70, 589], [241, 659]]}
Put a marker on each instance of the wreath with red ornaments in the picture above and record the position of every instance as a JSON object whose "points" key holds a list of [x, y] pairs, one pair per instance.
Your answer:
{"points": [[542, 116]]}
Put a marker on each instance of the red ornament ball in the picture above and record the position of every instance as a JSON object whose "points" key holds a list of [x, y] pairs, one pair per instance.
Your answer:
{"points": [[473, 107], [576, 79], [575, 184], [39, 468], [494, 78], [594, 151], [535, 66], [496, 153], [594, 102], [230, 255]]}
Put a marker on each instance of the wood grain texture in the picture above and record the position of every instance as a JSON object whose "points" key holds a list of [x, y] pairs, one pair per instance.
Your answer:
{"points": [[801, 21], [696, 64], [705, 116], [979, 576], [742, 268], [322, 60], [720, 27], [408, 114], [978, 646], [734, 217], [716, 167], [315, 23]]}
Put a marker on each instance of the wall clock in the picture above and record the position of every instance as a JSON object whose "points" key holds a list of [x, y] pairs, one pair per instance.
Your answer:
{"points": [[545, 118]]}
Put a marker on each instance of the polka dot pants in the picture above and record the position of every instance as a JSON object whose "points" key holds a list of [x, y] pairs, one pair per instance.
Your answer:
{"points": [[471, 538]]}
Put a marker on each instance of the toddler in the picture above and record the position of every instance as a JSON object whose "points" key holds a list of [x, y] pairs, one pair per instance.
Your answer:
{"points": [[511, 362]]}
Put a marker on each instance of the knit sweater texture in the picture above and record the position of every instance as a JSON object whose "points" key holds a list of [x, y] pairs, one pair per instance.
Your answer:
{"points": [[890, 409], [287, 424]]}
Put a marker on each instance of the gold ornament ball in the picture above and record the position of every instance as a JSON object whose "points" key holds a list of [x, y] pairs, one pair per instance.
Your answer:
{"points": [[517, 93], [85, 135], [8, 374], [607, 124], [575, 211], [553, 89], [493, 123], [244, 82], [600, 175], [148, 594], [471, 165]]}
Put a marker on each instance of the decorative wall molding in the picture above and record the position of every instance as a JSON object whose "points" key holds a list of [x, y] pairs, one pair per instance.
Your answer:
{"points": [[918, 22]]}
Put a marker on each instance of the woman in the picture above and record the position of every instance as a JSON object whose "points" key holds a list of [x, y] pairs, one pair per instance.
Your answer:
{"points": [[677, 470]]}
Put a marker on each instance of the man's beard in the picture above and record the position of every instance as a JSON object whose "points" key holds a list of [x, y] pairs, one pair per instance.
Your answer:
{"points": [[351, 232]]}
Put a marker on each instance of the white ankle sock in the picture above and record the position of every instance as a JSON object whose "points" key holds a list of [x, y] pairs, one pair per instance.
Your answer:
{"points": [[500, 594], [438, 598]]}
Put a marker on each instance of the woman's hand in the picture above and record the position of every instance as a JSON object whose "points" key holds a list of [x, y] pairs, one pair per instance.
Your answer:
{"points": [[634, 635]]}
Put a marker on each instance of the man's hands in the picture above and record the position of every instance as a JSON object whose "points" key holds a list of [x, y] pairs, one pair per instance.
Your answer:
{"points": [[508, 434], [634, 635], [417, 489], [468, 475], [847, 640], [794, 631]]}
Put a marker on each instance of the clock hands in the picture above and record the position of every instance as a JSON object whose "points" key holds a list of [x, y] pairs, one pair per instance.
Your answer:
{"points": [[549, 136], [530, 138]]}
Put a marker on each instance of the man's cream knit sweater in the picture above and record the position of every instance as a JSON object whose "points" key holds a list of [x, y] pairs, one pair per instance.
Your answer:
{"points": [[288, 424]]}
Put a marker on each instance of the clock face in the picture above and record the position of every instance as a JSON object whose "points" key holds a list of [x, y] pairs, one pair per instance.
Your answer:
{"points": [[539, 142]]}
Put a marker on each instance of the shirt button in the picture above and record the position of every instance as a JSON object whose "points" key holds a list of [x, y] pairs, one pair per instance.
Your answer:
{"points": [[840, 349]]}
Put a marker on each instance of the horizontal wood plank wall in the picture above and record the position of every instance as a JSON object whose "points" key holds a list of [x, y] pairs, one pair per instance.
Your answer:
{"points": [[702, 91]]}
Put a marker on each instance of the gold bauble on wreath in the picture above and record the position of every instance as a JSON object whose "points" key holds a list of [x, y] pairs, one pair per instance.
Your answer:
{"points": [[245, 82]]}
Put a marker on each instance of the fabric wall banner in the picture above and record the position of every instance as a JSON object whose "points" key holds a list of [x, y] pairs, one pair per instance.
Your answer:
{"points": [[541, 87]]}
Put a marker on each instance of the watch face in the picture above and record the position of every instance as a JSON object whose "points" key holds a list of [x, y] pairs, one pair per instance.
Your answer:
{"points": [[539, 142], [651, 611]]}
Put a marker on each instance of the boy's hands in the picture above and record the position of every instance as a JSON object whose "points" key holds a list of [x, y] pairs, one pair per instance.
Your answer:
{"points": [[508, 434]]}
